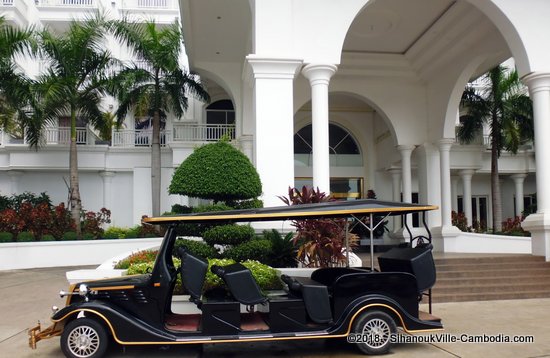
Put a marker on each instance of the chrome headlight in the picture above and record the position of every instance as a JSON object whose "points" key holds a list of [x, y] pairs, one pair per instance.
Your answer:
{"points": [[82, 290]]}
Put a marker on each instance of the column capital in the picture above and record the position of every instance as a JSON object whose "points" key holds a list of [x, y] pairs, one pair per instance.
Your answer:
{"points": [[537, 81], [273, 68], [466, 173], [405, 147], [445, 144], [518, 176], [318, 73], [107, 174], [394, 170]]}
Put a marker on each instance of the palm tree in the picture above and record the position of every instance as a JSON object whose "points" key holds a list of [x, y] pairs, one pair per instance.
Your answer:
{"points": [[502, 103], [156, 84], [74, 84], [14, 85]]}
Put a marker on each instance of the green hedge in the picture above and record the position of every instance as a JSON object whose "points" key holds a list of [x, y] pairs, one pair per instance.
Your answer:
{"points": [[196, 248], [47, 237], [69, 236], [257, 249], [6, 236], [228, 234], [25, 236]]}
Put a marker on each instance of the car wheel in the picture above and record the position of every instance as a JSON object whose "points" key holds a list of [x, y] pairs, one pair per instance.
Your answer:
{"points": [[84, 338], [375, 329]]}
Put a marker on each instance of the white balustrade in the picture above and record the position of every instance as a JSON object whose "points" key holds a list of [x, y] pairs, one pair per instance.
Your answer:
{"points": [[83, 3], [202, 132], [62, 135], [138, 138], [137, 4], [7, 2]]}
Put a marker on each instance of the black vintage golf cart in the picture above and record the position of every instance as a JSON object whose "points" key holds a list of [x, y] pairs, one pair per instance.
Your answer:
{"points": [[331, 303]]}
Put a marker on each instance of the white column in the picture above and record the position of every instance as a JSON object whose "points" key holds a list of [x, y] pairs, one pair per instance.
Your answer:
{"points": [[396, 193], [15, 177], [539, 223], [518, 183], [319, 77], [445, 166], [107, 188], [454, 193], [406, 183], [466, 176], [274, 124]]}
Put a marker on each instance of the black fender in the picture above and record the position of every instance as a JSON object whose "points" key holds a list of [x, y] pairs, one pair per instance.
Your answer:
{"points": [[402, 318], [124, 328]]}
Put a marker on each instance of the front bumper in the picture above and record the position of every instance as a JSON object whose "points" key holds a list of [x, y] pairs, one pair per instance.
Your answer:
{"points": [[37, 334]]}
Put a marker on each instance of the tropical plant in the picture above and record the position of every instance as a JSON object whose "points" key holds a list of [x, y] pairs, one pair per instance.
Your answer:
{"points": [[217, 171], [500, 102], [283, 251], [14, 85], [156, 84], [74, 84], [321, 241]]}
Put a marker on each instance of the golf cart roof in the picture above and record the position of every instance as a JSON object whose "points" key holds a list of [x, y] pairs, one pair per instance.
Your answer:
{"points": [[297, 212]]}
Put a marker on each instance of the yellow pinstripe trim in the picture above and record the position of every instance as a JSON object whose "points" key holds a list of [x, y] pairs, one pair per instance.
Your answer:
{"points": [[252, 338], [244, 217]]}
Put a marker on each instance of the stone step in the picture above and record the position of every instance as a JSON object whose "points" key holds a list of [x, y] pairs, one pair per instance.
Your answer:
{"points": [[502, 280], [492, 259], [507, 272], [488, 296], [492, 288], [485, 266]]}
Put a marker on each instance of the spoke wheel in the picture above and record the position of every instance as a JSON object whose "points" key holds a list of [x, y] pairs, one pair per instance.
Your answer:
{"points": [[84, 338], [376, 329]]}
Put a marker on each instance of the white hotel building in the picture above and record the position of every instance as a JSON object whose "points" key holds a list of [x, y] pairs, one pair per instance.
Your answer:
{"points": [[348, 95]]}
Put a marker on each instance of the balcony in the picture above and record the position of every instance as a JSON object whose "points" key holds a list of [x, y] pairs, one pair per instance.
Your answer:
{"points": [[202, 132], [149, 4], [58, 14], [138, 138], [15, 11]]}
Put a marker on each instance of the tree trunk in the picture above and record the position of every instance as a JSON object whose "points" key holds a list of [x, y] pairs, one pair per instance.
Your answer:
{"points": [[155, 165], [74, 192], [496, 201]]}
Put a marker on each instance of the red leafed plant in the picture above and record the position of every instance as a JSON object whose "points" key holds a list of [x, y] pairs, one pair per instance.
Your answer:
{"points": [[320, 241]]}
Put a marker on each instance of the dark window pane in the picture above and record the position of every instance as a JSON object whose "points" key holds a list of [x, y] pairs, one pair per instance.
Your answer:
{"points": [[223, 104]]}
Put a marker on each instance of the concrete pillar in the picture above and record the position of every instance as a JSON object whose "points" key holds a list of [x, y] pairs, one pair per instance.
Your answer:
{"points": [[518, 183], [319, 77], [454, 193], [445, 167], [466, 176], [406, 151], [107, 188], [274, 124], [396, 193], [15, 177], [539, 223]]}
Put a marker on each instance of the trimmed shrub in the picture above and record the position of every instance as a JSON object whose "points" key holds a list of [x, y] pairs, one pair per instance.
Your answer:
{"points": [[69, 236], [216, 171], [267, 277], [196, 248], [180, 209], [258, 249], [211, 207], [47, 237], [132, 233], [115, 232], [228, 234], [25, 236], [247, 204], [212, 280], [6, 236], [88, 236]]}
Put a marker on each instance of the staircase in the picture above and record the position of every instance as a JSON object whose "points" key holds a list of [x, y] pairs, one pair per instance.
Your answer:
{"points": [[491, 278]]}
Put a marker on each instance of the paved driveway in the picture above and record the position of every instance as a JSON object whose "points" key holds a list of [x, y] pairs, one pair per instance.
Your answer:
{"points": [[27, 295]]}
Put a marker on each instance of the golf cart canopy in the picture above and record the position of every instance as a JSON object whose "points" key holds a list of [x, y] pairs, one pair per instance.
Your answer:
{"points": [[331, 209]]}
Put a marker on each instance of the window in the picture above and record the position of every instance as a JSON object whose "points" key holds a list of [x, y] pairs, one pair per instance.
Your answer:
{"points": [[479, 209], [340, 188], [220, 112], [343, 149]]}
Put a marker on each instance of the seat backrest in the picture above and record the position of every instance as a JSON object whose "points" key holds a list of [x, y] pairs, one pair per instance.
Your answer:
{"points": [[241, 283], [193, 272]]}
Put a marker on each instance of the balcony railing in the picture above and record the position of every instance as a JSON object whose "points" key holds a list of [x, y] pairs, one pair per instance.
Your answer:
{"points": [[72, 3], [149, 4], [137, 138], [7, 3], [202, 132]]}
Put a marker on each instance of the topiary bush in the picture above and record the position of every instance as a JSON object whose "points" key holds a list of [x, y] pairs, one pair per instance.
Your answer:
{"points": [[47, 237], [69, 236], [115, 232], [257, 249], [216, 171], [6, 236], [196, 248], [228, 234], [25, 236], [181, 209], [88, 236]]}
